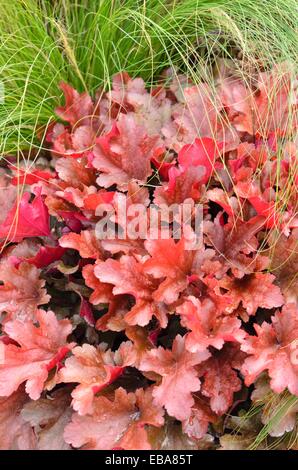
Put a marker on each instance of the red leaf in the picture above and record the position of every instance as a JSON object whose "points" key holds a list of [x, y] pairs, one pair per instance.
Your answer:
{"points": [[234, 241], [92, 201], [46, 255], [263, 207], [72, 219], [274, 101], [266, 110], [25, 176], [26, 219], [203, 152], [112, 154], [77, 107], [160, 162], [184, 183], [114, 318], [86, 312], [151, 107]]}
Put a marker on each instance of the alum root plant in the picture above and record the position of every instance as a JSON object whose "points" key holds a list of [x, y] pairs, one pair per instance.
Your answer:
{"points": [[142, 343]]}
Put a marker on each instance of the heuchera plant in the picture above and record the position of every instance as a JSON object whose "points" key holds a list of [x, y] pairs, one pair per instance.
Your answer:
{"points": [[139, 343]]}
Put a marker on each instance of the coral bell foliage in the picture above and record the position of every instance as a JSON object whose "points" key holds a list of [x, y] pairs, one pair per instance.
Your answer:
{"points": [[141, 343]]}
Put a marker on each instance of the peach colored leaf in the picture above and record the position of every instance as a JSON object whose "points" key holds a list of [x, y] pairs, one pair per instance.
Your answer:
{"points": [[171, 261], [15, 432], [48, 417], [94, 369], [78, 107], [102, 292], [274, 349], [85, 243], [207, 328], [253, 291], [116, 423], [113, 153], [179, 376], [219, 378], [129, 277], [40, 347], [22, 290]]}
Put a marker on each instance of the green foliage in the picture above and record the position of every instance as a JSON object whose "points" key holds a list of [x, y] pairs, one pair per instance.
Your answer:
{"points": [[84, 42], [275, 408]]}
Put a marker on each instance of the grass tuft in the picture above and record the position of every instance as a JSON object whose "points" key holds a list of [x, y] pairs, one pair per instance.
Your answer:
{"points": [[85, 42]]}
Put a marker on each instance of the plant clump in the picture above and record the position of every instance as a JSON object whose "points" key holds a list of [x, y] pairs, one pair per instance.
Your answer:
{"points": [[132, 342]]}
